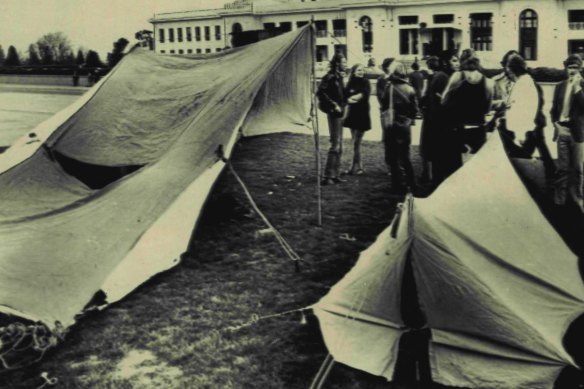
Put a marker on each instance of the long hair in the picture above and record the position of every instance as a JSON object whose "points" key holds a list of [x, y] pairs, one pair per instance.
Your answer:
{"points": [[445, 58], [399, 70], [508, 55], [469, 60], [353, 70], [335, 64]]}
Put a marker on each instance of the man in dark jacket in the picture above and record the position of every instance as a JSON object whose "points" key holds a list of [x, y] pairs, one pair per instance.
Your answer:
{"points": [[398, 136], [332, 101], [383, 80], [567, 116]]}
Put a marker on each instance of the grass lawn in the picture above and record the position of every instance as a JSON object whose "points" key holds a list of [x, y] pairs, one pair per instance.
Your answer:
{"points": [[173, 332]]}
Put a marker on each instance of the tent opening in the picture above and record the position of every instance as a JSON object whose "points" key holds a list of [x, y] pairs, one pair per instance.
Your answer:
{"points": [[94, 176]]}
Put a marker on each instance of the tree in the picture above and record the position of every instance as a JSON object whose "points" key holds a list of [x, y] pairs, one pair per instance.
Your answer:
{"points": [[68, 59], [92, 60], [54, 48], [2, 55], [118, 52], [12, 58], [80, 60], [146, 39], [33, 55]]}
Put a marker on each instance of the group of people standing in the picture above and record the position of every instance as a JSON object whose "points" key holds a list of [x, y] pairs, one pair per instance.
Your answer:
{"points": [[465, 94], [456, 106]]}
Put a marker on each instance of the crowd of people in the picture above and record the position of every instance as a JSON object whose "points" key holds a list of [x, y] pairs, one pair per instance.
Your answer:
{"points": [[458, 105]]}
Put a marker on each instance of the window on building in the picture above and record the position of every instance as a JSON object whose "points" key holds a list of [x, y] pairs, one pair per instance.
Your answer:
{"points": [[408, 41], [321, 27], [341, 49], [481, 31], [218, 49], [576, 46], [207, 33], [199, 51], [528, 34], [161, 35], [404, 20], [171, 51], [322, 53], [162, 51], [576, 19], [189, 34], [217, 33], [207, 50], [189, 51], [443, 18], [367, 33], [171, 34], [301, 23], [181, 51], [339, 27], [179, 34], [197, 34], [286, 26], [236, 27], [269, 26]]}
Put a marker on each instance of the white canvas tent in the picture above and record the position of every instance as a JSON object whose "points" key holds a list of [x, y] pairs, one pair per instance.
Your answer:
{"points": [[159, 118], [496, 283]]}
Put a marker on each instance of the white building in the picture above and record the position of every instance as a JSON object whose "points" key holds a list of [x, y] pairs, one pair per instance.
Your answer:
{"points": [[544, 31]]}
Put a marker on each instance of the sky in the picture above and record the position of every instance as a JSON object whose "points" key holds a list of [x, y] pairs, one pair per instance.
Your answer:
{"points": [[89, 24]]}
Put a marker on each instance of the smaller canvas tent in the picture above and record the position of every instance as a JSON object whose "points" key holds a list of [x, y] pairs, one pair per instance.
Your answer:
{"points": [[497, 285]]}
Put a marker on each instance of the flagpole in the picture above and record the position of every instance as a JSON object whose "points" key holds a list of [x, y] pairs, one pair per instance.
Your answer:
{"points": [[314, 118]]}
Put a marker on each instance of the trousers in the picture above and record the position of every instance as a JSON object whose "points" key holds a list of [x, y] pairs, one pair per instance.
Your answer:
{"points": [[569, 173], [333, 161]]}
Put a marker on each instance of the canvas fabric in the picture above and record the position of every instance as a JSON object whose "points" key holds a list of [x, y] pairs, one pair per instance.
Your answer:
{"points": [[496, 283], [62, 241]]}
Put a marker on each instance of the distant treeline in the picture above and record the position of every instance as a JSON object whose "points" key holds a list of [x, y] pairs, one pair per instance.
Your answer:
{"points": [[52, 54], [51, 70]]}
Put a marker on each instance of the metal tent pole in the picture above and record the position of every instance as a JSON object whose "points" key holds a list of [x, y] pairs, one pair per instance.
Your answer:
{"points": [[314, 118]]}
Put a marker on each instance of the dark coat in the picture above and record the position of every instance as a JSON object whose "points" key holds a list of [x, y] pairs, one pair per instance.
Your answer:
{"points": [[434, 118], [405, 102], [331, 91], [380, 89], [358, 117], [416, 79], [576, 123]]}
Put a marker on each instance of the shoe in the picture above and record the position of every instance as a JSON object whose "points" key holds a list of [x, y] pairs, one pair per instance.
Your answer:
{"points": [[337, 180], [359, 172], [327, 181]]}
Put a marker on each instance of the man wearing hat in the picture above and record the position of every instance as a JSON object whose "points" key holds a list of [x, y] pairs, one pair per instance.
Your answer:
{"points": [[567, 115]]}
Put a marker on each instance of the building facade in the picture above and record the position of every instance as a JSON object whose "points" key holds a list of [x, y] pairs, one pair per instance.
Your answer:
{"points": [[543, 31]]}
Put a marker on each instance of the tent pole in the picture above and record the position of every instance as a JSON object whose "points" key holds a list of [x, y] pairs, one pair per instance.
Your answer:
{"points": [[323, 372], [314, 119]]}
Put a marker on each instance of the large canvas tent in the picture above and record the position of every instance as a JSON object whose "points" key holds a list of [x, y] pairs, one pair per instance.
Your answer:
{"points": [[158, 123], [497, 285]]}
